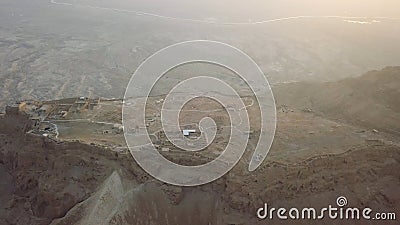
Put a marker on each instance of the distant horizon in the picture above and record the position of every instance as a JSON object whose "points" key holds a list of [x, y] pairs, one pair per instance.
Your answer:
{"points": [[246, 13]]}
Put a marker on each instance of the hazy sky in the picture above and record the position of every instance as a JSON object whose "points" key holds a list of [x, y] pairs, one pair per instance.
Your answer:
{"points": [[255, 9]]}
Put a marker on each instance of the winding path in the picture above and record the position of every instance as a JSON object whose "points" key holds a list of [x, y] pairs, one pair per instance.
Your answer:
{"points": [[141, 13]]}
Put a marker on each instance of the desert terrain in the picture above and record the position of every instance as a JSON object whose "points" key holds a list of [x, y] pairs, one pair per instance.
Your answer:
{"points": [[79, 174], [56, 51], [333, 67]]}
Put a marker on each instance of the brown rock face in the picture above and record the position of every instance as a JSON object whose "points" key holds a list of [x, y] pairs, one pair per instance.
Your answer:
{"points": [[48, 177]]}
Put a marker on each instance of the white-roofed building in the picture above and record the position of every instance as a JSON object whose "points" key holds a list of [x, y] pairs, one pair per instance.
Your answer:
{"points": [[188, 132]]}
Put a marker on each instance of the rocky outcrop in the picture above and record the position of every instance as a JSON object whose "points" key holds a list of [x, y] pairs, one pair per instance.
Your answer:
{"points": [[49, 177], [60, 183]]}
